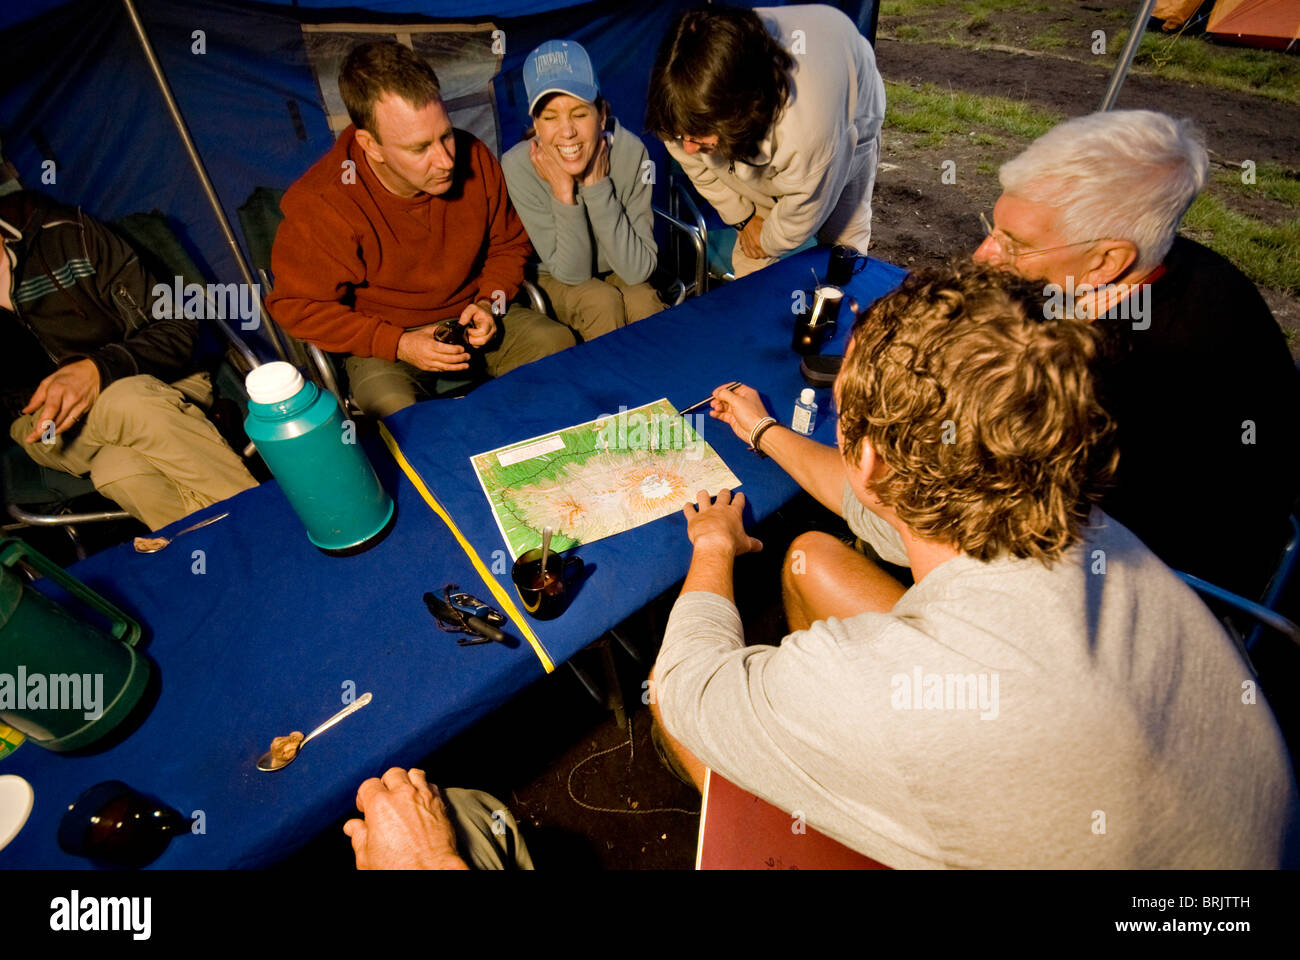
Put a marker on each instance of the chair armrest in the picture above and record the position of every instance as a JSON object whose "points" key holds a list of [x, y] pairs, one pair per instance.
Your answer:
{"points": [[63, 519], [698, 239], [325, 371], [535, 298], [1260, 612]]}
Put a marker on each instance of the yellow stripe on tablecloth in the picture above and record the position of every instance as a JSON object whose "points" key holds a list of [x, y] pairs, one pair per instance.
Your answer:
{"points": [[499, 592]]}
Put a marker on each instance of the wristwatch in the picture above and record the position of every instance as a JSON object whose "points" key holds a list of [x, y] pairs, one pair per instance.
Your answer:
{"points": [[741, 226]]}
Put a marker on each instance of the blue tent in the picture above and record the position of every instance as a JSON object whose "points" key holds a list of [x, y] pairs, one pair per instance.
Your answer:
{"points": [[83, 119]]}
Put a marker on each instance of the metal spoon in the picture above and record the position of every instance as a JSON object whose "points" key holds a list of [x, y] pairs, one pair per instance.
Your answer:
{"points": [[266, 764], [154, 544], [546, 551]]}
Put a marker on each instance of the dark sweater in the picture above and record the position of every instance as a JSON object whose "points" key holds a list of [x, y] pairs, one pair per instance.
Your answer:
{"points": [[1207, 401], [79, 291]]}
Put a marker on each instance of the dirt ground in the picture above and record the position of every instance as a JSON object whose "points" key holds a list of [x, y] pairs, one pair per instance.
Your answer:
{"points": [[918, 221]]}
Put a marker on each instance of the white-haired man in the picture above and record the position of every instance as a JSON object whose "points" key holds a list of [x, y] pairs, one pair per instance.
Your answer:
{"points": [[1199, 377]]}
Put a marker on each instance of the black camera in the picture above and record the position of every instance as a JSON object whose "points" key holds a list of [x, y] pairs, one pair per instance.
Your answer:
{"points": [[452, 332]]}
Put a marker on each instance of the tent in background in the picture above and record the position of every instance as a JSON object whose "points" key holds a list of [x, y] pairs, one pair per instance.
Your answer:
{"points": [[1175, 13], [84, 121], [1257, 23]]}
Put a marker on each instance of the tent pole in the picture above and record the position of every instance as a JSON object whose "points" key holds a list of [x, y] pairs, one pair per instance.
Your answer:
{"points": [[1126, 58], [183, 129]]}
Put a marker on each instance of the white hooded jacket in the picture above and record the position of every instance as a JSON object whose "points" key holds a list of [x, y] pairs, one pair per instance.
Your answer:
{"points": [[834, 113]]}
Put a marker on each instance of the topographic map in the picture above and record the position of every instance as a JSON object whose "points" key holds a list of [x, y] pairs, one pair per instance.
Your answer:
{"points": [[599, 478]]}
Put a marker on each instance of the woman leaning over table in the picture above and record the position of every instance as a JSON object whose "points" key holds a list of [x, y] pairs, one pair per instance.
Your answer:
{"points": [[577, 181]]}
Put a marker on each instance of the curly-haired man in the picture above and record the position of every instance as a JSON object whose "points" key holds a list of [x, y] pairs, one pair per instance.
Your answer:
{"points": [[1047, 694]]}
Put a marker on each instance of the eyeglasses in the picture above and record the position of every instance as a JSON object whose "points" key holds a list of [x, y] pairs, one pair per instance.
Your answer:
{"points": [[1008, 248], [701, 145]]}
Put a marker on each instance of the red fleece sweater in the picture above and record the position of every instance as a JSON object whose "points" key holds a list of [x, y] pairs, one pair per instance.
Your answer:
{"points": [[356, 266]]}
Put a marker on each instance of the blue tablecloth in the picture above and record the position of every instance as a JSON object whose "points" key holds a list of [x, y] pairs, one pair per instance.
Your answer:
{"points": [[272, 634], [739, 332]]}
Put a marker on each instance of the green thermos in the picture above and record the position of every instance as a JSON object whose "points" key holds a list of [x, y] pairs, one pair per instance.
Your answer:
{"points": [[63, 682]]}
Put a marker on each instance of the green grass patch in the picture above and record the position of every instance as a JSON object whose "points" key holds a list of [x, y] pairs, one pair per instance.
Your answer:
{"points": [[1269, 254], [1051, 38], [1272, 182], [909, 8], [943, 113], [1179, 57], [972, 8], [1195, 60]]}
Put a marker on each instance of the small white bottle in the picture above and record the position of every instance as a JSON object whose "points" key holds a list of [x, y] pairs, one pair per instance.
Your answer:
{"points": [[805, 413]]}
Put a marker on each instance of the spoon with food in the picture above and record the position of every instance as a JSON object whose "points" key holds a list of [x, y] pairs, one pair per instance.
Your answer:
{"points": [[284, 750], [154, 544]]}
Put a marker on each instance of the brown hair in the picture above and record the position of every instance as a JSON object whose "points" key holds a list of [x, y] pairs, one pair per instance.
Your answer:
{"points": [[718, 71], [984, 413], [384, 66]]}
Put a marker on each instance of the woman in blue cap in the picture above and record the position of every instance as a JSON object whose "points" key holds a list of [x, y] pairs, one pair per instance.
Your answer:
{"points": [[577, 180]]}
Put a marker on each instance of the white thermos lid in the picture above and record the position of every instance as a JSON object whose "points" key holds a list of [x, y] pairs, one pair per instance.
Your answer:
{"points": [[273, 382]]}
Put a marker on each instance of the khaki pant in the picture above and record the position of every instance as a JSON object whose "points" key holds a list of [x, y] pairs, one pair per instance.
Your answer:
{"points": [[599, 305], [147, 448], [850, 221], [487, 836], [381, 387]]}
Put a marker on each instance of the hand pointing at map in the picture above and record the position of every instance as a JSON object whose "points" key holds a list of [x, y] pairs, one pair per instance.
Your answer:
{"points": [[741, 407], [719, 525]]}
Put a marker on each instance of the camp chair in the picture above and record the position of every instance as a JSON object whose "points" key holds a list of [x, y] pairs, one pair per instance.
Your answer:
{"points": [[260, 218], [740, 831], [36, 496], [713, 241], [1264, 612]]}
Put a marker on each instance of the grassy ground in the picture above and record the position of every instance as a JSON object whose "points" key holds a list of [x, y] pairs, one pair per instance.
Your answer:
{"points": [[1030, 25], [940, 114], [1267, 253]]}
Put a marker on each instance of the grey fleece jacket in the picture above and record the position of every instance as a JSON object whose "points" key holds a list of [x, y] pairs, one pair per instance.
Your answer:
{"points": [[610, 227], [1003, 714]]}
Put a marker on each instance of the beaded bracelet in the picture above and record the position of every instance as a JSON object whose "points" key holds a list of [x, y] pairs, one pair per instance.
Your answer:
{"points": [[756, 434]]}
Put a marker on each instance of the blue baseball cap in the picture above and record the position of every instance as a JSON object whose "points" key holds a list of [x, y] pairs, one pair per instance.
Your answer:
{"points": [[560, 66]]}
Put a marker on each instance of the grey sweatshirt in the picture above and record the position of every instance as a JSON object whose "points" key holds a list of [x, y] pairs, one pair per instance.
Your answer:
{"points": [[1004, 714], [611, 227]]}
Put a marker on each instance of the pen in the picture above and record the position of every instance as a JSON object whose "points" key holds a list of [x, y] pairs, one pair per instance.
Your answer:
{"points": [[695, 406]]}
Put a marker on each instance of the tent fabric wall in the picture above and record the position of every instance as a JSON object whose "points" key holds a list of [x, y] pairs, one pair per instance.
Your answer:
{"points": [[20, 11], [1175, 13], [1256, 23], [75, 89]]}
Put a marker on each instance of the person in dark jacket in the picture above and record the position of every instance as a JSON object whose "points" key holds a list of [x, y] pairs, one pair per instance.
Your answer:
{"points": [[94, 379], [1198, 376]]}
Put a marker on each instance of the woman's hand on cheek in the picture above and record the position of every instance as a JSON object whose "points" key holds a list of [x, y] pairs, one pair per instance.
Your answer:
{"points": [[549, 169]]}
